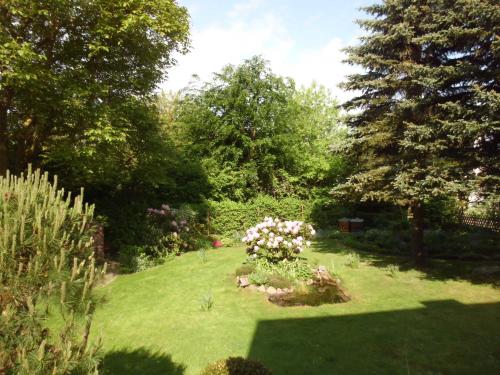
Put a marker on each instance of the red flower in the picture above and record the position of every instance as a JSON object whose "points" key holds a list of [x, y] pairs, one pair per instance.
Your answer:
{"points": [[217, 243]]}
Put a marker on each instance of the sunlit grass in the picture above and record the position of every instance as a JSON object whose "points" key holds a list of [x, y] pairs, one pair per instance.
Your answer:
{"points": [[152, 323]]}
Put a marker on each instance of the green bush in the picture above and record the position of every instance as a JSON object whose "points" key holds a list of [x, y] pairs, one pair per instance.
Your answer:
{"points": [[236, 366], [46, 260], [276, 240]]}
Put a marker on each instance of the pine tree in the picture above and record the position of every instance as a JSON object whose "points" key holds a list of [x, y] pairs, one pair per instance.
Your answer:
{"points": [[426, 121]]}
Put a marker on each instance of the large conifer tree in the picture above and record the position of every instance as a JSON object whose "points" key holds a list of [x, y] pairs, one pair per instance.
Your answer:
{"points": [[426, 120]]}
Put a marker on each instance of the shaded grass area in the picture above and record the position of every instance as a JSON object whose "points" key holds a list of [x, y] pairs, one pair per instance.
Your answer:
{"points": [[413, 341], [140, 361], [435, 269], [152, 321]]}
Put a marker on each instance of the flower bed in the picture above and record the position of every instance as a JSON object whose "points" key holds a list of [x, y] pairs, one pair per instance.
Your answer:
{"points": [[275, 267]]}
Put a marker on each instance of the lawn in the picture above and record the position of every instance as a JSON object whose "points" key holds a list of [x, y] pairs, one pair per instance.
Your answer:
{"points": [[408, 323]]}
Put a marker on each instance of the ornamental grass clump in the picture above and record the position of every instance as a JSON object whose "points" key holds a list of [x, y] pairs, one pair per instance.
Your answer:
{"points": [[46, 266], [276, 240]]}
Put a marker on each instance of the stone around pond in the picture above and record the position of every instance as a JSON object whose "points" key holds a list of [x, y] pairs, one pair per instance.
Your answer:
{"points": [[271, 290], [262, 288], [243, 281]]}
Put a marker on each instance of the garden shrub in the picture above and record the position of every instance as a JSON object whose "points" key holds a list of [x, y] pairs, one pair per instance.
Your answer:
{"points": [[275, 239], [171, 231], [236, 366], [46, 261]]}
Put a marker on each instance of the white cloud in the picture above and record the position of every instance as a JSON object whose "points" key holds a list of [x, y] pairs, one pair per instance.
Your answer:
{"points": [[241, 9], [220, 44]]}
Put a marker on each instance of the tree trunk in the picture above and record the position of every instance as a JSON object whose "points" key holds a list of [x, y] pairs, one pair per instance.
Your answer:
{"points": [[416, 217]]}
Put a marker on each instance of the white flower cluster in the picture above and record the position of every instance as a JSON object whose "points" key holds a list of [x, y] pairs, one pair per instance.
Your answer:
{"points": [[278, 239]]}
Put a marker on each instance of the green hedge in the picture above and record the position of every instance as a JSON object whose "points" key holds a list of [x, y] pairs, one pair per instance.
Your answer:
{"points": [[229, 217]]}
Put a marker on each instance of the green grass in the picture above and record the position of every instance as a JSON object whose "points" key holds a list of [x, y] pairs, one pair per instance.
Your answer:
{"points": [[418, 323]]}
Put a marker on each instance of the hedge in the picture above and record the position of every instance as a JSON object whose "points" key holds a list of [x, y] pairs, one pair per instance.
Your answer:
{"points": [[229, 217]]}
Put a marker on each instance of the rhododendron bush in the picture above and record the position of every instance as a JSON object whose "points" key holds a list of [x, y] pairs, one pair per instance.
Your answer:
{"points": [[276, 239]]}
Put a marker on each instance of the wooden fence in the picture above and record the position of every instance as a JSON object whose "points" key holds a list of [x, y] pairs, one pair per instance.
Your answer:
{"points": [[492, 224]]}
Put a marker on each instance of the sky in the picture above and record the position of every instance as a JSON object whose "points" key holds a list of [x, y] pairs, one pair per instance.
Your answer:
{"points": [[301, 39]]}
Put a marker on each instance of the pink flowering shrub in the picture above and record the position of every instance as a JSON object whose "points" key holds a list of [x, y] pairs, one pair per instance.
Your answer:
{"points": [[276, 239]]}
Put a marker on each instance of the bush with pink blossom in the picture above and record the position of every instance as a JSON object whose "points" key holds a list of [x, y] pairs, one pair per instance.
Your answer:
{"points": [[276, 239]]}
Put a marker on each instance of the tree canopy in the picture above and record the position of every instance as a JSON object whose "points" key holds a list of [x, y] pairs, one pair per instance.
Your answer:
{"points": [[74, 75], [257, 134]]}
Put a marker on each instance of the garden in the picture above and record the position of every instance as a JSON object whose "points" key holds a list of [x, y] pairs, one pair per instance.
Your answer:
{"points": [[246, 224]]}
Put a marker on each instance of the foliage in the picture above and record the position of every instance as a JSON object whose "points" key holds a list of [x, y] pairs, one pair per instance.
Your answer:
{"points": [[236, 366], [255, 133], [169, 231], [207, 301], [77, 89], [258, 277], [262, 271], [276, 240], [423, 123], [393, 270], [202, 254], [75, 74], [487, 208], [353, 260], [228, 217], [46, 260]]}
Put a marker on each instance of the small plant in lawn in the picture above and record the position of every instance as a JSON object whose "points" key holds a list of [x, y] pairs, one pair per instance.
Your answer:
{"points": [[277, 240], [353, 260], [207, 301], [202, 254], [393, 270]]}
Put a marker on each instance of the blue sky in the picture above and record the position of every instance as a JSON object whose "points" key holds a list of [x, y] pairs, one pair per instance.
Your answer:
{"points": [[301, 39]]}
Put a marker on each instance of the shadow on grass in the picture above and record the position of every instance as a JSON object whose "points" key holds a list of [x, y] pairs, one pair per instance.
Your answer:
{"points": [[139, 361], [441, 337], [477, 272]]}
